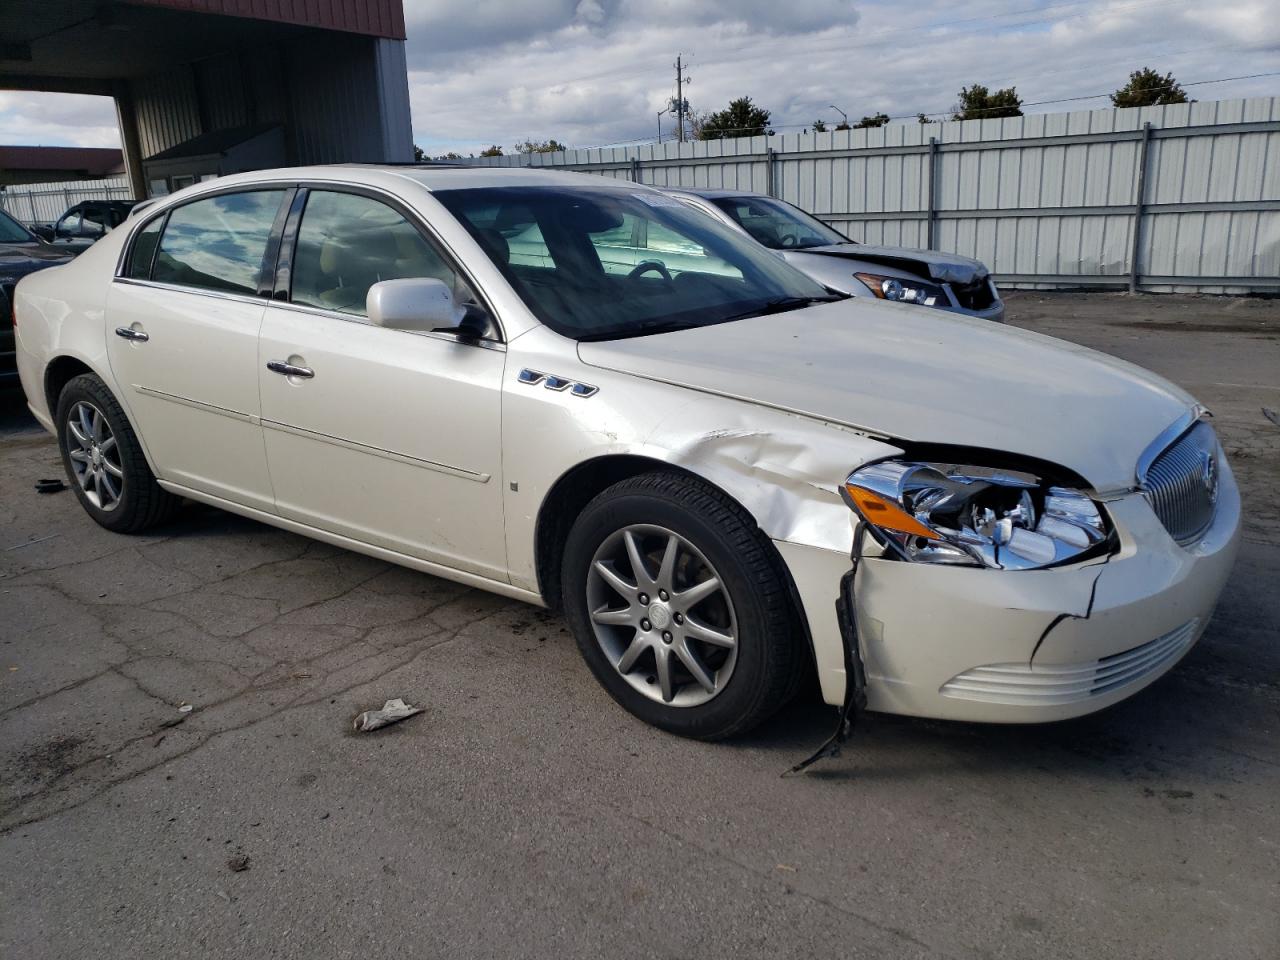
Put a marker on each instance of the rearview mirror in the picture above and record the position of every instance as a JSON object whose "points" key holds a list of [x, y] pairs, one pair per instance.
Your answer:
{"points": [[421, 304]]}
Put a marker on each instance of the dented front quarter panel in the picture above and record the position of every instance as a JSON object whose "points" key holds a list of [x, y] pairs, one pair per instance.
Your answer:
{"points": [[783, 468]]}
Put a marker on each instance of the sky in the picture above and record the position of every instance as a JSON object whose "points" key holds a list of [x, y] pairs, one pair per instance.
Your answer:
{"points": [[596, 72]]}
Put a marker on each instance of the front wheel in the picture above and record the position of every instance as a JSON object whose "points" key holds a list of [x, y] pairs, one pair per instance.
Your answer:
{"points": [[678, 607]]}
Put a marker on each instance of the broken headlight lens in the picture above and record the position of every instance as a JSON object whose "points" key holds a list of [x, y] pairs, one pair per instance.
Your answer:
{"points": [[904, 290], [973, 516]]}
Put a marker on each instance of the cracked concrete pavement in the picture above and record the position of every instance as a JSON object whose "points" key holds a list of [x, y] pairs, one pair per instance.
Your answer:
{"points": [[524, 814]]}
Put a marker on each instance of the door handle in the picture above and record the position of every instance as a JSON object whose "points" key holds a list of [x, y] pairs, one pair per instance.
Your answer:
{"points": [[129, 333], [289, 370]]}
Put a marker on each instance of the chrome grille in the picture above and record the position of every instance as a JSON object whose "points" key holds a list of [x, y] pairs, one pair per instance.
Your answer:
{"points": [[1181, 484]]}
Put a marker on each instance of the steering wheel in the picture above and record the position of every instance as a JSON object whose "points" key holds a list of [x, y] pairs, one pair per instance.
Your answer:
{"points": [[645, 266], [788, 240]]}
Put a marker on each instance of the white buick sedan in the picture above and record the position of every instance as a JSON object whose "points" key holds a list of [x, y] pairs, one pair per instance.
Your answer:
{"points": [[727, 476]]}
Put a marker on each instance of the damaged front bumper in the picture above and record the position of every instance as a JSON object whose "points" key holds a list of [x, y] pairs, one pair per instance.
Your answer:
{"points": [[1035, 645]]}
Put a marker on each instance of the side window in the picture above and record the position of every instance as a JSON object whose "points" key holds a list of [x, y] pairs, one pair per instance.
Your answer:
{"points": [[347, 243], [144, 248], [679, 254], [619, 247], [68, 226], [95, 222], [218, 243]]}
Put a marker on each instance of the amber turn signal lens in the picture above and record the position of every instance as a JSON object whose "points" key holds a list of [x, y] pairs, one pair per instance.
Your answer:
{"points": [[887, 515]]}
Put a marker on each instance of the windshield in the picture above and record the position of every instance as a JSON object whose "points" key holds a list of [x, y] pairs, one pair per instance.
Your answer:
{"points": [[11, 231], [602, 263], [778, 225]]}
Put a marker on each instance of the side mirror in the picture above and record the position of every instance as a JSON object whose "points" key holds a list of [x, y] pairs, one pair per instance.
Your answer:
{"points": [[423, 305]]}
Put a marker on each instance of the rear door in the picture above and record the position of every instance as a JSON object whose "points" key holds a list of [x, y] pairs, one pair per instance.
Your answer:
{"points": [[389, 437], [183, 322]]}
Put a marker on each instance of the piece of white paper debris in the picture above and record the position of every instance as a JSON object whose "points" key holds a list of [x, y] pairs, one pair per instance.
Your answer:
{"points": [[186, 708], [391, 712]]}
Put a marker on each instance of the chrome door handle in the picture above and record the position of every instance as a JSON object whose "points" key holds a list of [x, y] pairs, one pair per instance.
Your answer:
{"points": [[130, 334], [289, 370]]}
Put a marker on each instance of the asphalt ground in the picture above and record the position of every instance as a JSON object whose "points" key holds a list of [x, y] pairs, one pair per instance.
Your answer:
{"points": [[523, 814]]}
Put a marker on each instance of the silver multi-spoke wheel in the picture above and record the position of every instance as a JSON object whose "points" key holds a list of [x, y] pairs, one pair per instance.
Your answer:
{"points": [[662, 615], [95, 456]]}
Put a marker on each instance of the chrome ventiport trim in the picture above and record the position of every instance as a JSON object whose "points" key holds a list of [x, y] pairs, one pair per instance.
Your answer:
{"points": [[557, 383]]}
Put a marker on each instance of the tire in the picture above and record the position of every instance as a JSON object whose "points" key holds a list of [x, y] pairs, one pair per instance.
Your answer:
{"points": [[124, 497], [716, 540]]}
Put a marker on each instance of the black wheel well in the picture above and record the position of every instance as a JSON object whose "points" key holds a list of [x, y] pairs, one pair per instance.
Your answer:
{"points": [[580, 485], [574, 490], [60, 372]]}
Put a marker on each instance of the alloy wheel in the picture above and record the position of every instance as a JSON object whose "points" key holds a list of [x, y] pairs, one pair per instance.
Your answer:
{"points": [[662, 615], [95, 456]]}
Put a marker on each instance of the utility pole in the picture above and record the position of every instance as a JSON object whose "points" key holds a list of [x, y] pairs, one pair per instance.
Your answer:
{"points": [[681, 82]]}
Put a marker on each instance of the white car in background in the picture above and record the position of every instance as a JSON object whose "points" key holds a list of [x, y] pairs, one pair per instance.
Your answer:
{"points": [[587, 395], [927, 278]]}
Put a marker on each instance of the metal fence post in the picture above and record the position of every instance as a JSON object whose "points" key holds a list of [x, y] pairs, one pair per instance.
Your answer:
{"points": [[635, 170], [931, 222], [769, 187], [1138, 203]]}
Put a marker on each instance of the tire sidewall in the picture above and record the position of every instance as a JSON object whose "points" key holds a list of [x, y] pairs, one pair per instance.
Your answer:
{"points": [[748, 683]]}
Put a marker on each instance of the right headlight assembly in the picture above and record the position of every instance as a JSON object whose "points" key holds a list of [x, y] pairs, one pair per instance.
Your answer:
{"points": [[973, 516]]}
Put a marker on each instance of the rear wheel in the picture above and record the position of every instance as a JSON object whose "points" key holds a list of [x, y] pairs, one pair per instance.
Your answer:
{"points": [[104, 461], [678, 607]]}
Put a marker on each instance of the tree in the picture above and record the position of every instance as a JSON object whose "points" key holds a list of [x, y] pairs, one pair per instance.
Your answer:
{"points": [[819, 126], [1146, 88], [494, 151], [979, 103], [540, 146], [742, 119], [922, 118], [843, 125], [879, 120], [419, 155], [448, 156]]}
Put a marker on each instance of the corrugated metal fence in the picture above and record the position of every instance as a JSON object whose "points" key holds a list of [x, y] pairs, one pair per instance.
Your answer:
{"points": [[1047, 200], [46, 202]]}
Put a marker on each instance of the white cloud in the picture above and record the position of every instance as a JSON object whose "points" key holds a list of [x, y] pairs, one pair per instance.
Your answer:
{"points": [[591, 72]]}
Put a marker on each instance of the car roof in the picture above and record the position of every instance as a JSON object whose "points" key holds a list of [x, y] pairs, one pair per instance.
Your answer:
{"points": [[393, 176], [714, 194]]}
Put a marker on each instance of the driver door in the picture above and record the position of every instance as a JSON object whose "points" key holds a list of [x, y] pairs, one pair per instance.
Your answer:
{"points": [[390, 437]]}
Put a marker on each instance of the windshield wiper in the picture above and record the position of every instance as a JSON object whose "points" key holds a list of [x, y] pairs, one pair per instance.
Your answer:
{"points": [[643, 329], [783, 304]]}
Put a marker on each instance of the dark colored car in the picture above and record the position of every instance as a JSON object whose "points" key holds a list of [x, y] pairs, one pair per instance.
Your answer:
{"points": [[85, 223], [21, 252]]}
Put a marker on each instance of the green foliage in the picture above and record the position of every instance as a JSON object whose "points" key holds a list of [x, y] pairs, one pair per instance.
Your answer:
{"points": [[540, 146], [1146, 88], [494, 151], [819, 126], [921, 118], [419, 155], [979, 103], [879, 120], [742, 119]]}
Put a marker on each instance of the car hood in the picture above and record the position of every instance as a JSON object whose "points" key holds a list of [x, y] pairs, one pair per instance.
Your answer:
{"points": [[942, 267], [21, 258], [907, 373]]}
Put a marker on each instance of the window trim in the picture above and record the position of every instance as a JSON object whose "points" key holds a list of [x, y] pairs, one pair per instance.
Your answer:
{"points": [[282, 294]]}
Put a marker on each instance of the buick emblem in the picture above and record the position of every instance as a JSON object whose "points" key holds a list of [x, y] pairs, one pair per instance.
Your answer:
{"points": [[1209, 476]]}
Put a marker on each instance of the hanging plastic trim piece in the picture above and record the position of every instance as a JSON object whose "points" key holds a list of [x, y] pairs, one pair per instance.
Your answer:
{"points": [[855, 689]]}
